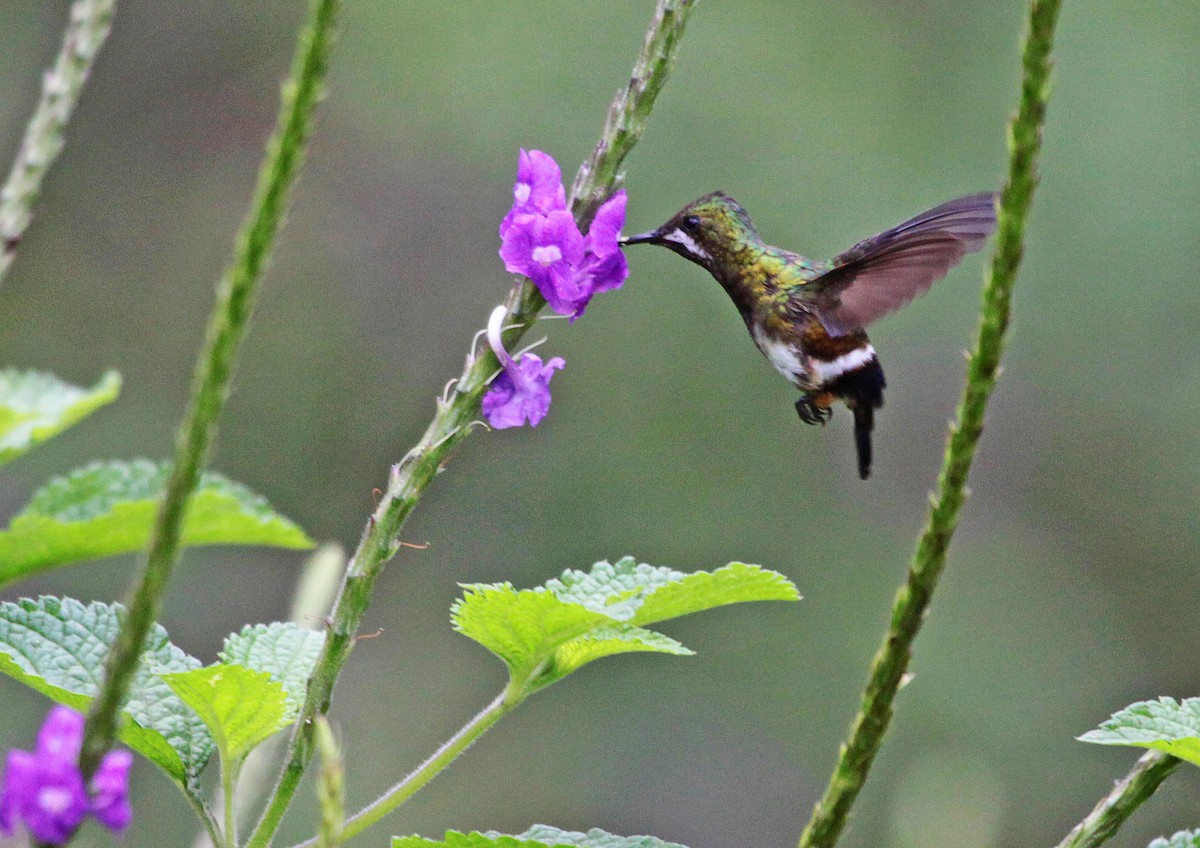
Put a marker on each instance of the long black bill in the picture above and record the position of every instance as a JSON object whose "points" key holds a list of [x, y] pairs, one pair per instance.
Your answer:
{"points": [[651, 237]]}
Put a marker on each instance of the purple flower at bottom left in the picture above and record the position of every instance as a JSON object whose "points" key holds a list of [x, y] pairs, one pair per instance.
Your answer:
{"points": [[44, 790]]}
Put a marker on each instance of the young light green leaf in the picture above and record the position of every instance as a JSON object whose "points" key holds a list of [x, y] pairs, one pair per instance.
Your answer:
{"points": [[108, 508], [57, 646], [285, 651], [594, 838], [606, 641], [241, 707], [1164, 725], [1182, 839], [546, 633], [35, 407], [645, 594], [538, 836]]}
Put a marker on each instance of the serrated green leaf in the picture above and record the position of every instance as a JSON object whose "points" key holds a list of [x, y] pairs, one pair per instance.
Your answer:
{"points": [[241, 707], [1182, 839], [57, 646], [734, 583], [285, 651], [1164, 725], [607, 641], [521, 627], [35, 407], [547, 632], [538, 836], [594, 838], [109, 508]]}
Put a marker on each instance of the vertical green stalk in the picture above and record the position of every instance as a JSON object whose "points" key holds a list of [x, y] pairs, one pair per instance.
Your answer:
{"points": [[457, 414], [236, 292], [87, 30], [908, 611], [331, 788], [1126, 796]]}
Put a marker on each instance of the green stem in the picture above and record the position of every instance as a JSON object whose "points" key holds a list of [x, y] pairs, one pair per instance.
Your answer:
{"points": [[912, 601], [206, 817], [236, 292], [87, 30], [229, 779], [1128, 794], [457, 415], [428, 770], [331, 789]]}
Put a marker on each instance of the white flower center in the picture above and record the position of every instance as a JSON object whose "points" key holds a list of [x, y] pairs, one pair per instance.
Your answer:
{"points": [[547, 255], [54, 800], [521, 192]]}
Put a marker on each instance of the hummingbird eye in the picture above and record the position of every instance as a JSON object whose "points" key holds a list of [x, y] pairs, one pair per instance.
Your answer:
{"points": [[692, 222]]}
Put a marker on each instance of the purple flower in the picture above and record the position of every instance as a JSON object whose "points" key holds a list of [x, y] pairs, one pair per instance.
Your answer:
{"points": [[539, 238], [521, 392], [45, 789]]}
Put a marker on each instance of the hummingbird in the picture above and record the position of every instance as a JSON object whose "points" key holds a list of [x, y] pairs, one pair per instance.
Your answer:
{"points": [[809, 317]]}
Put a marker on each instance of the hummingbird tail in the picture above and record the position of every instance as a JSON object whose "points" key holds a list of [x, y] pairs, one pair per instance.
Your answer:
{"points": [[862, 390], [864, 423]]}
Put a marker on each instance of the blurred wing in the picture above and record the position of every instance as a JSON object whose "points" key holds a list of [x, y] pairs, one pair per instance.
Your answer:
{"points": [[880, 274]]}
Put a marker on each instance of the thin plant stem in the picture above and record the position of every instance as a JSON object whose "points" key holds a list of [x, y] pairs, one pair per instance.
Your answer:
{"points": [[908, 611], [428, 770], [229, 779], [1126, 796], [331, 788], [236, 293], [457, 414], [87, 29]]}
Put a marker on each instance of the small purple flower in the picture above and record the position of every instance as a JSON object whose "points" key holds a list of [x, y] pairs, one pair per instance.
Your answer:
{"points": [[521, 392], [539, 238], [44, 790]]}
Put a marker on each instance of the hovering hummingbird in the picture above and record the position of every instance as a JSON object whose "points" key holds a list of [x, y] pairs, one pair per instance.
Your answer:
{"points": [[808, 317]]}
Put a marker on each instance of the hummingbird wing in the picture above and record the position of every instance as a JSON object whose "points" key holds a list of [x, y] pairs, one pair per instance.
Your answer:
{"points": [[880, 274]]}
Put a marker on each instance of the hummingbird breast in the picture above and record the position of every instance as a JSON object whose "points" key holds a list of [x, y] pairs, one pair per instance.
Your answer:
{"points": [[802, 351]]}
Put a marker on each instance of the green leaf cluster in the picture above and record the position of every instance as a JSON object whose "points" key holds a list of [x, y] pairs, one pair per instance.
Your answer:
{"points": [[1164, 725], [108, 508], [538, 836], [177, 712], [545, 633]]}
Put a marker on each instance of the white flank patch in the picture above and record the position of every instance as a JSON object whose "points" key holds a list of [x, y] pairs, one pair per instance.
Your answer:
{"points": [[783, 356], [689, 243], [827, 372]]}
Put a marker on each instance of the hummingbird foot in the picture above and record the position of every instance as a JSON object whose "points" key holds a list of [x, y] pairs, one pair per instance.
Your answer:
{"points": [[812, 411]]}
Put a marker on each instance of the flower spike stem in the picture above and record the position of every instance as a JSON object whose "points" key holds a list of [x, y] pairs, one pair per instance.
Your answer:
{"points": [[912, 601], [1130, 791], [230, 319], [597, 178], [87, 30]]}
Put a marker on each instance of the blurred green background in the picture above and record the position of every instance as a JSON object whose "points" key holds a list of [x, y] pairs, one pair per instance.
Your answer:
{"points": [[1073, 584]]}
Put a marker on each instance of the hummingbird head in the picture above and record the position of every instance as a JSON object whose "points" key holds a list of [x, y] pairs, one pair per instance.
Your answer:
{"points": [[705, 231]]}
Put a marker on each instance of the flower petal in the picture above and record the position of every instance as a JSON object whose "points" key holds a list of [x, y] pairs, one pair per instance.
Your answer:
{"points": [[61, 736], [110, 791], [606, 226], [55, 804]]}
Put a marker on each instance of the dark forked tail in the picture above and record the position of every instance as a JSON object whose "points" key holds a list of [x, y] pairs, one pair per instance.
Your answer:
{"points": [[862, 390]]}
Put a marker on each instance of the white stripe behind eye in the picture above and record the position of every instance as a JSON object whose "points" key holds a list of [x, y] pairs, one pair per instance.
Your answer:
{"points": [[680, 237]]}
